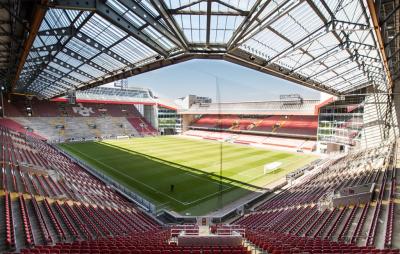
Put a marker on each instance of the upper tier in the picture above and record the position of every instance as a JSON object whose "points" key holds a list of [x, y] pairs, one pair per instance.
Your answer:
{"points": [[41, 108], [277, 125], [305, 107]]}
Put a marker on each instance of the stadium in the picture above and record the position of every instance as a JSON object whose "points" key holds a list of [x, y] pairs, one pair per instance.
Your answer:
{"points": [[92, 164]]}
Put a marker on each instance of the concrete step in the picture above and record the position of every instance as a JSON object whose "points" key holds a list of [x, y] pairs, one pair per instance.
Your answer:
{"points": [[2, 222], [36, 231], [19, 233]]}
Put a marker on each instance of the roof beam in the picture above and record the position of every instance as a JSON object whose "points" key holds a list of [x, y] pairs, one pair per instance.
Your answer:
{"points": [[389, 15], [61, 31], [70, 53], [72, 68], [138, 70], [51, 80], [345, 25], [230, 6], [203, 13], [136, 8], [301, 43], [329, 68], [268, 20], [113, 17], [246, 59], [16, 17], [45, 65], [48, 48], [208, 31], [364, 58], [62, 74], [324, 19], [184, 6], [181, 9], [44, 75], [84, 38], [366, 66], [327, 53], [339, 76], [305, 52], [103, 50], [247, 22], [116, 19], [39, 59], [89, 5], [170, 21], [97, 45], [393, 54], [39, 14], [348, 44], [392, 39]]}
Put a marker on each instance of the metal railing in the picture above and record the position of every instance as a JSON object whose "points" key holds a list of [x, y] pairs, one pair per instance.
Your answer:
{"points": [[132, 196]]}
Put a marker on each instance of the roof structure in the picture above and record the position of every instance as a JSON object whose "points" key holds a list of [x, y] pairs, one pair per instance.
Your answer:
{"points": [[332, 46], [13, 27], [389, 22]]}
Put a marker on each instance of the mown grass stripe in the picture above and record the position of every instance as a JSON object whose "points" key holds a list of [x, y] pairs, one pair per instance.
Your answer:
{"points": [[159, 162]]}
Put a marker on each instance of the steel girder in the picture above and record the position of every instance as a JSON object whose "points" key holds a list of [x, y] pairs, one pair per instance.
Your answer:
{"points": [[115, 18], [59, 33], [155, 26], [386, 17]]}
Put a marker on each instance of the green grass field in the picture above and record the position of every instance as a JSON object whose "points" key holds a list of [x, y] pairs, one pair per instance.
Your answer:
{"points": [[150, 165]]}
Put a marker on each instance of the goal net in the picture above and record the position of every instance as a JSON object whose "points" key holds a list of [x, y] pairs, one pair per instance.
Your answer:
{"points": [[270, 167]]}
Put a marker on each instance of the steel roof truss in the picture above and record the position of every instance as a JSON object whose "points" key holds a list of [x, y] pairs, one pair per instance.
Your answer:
{"points": [[349, 26], [62, 31], [97, 45], [72, 68], [340, 75], [301, 43], [48, 48], [169, 20], [327, 53], [116, 19], [339, 64], [113, 17], [254, 13], [277, 14], [358, 45], [72, 54], [136, 8]]}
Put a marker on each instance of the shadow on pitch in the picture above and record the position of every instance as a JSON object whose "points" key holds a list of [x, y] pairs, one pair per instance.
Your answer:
{"points": [[153, 177]]}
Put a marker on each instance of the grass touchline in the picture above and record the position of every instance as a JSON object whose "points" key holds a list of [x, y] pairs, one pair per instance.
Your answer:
{"points": [[151, 166]]}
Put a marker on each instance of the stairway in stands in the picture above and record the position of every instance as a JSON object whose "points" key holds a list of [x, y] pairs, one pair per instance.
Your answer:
{"points": [[78, 213], [295, 219], [2, 223]]}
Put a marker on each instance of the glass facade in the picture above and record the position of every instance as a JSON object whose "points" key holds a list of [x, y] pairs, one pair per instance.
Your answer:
{"points": [[341, 122], [168, 120]]}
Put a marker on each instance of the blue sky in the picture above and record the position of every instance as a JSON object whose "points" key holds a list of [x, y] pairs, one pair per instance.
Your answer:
{"points": [[236, 83]]}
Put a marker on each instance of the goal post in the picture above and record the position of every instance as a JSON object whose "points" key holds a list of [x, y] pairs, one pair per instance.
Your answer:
{"points": [[271, 167]]}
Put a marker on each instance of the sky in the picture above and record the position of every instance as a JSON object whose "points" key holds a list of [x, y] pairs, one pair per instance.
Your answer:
{"points": [[236, 83]]}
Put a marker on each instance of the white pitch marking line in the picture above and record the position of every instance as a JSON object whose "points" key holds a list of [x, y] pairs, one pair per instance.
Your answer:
{"points": [[148, 186], [170, 163]]}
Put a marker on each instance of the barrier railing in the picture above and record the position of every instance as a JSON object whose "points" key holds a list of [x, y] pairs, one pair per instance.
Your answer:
{"points": [[134, 197]]}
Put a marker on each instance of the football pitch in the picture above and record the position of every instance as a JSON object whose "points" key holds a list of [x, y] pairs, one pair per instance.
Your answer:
{"points": [[149, 166]]}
